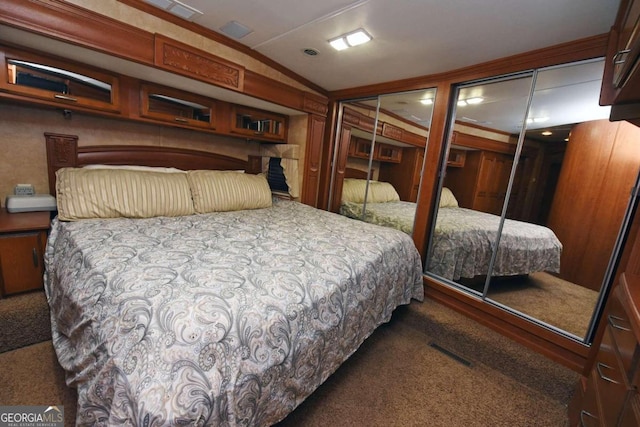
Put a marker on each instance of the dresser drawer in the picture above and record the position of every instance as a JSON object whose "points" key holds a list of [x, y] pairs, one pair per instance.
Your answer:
{"points": [[630, 416], [611, 381], [623, 337], [589, 415]]}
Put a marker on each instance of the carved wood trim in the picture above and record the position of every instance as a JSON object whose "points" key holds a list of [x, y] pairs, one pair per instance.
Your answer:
{"points": [[220, 38], [181, 58], [62, 151], [315, 104]]}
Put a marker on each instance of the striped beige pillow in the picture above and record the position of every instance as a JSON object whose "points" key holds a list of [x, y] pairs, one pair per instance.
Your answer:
{"points": [[353, 190], [110, 193], [220, 191]]}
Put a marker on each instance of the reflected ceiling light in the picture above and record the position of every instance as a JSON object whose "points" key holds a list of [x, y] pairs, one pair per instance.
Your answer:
{"points": [[537, 119], [474, 100], [351, 39], [426, 101], [547, 133], [470, 101]]}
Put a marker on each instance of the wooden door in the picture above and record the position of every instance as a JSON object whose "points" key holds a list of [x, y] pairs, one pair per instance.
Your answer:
{"points": [[600, 166]]}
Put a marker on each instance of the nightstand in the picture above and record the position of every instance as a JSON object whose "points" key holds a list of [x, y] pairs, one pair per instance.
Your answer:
{"points": [[23, 237]]}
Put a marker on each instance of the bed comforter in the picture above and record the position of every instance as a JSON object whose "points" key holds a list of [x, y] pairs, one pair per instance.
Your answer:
{"points": [[218, 319], [462, 246], [395, 214]]}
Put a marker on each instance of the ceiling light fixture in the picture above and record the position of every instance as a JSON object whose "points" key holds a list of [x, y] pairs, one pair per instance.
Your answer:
{"points": [[351, 39]]}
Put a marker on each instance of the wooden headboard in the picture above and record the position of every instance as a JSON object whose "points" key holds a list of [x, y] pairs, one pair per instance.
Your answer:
{"points": [[63, 151], [357, 173]]}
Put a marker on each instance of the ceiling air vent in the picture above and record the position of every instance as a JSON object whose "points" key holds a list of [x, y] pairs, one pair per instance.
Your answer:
{"points": [[310, 51]]}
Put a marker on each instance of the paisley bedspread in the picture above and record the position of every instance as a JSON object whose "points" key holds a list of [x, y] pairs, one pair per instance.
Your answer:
{"points": [[396, 214], [462, 245], [218, 319]]}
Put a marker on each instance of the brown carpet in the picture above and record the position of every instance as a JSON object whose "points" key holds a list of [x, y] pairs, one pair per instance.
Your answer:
{"points": [[545, 297], [396, 378]]}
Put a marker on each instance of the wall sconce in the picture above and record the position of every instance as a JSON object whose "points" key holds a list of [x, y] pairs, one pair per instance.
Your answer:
{"points": [[351, 39]]}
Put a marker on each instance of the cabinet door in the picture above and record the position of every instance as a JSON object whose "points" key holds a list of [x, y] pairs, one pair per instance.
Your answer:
{"points": [[257, 124], [176, 107], [21, 262], [57, 82]]}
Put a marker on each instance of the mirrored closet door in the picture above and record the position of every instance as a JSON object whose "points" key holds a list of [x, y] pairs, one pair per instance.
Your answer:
{"points": [[532, 196], [379, 157]]}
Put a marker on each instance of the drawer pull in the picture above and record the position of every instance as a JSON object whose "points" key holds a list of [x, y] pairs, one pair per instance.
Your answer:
{"points": [[602, 376], [612, 321], [34, 254], [616, 60], [582, 415], [65, 98], [181, 120]]}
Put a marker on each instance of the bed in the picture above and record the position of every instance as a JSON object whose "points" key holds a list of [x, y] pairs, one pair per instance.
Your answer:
{"points": [[461, 244], [462, 239], [228, 317], [383, 206]]}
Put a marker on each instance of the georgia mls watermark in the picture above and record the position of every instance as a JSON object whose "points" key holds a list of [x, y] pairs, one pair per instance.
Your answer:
{"points": [[32, 416]]}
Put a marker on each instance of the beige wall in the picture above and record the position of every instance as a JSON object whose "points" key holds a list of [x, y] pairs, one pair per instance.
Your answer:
{"points": [[22, 144]]}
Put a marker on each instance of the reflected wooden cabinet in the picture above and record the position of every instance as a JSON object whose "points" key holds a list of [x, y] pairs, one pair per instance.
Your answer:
{"points": [[176, 107], [57, 82], [482, 183], [258, 124], [388, 153], [456, 158], [361, 148], [405, 176]]}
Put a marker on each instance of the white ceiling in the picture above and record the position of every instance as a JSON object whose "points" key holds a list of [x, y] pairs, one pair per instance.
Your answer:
{"points": [[410, 37]]}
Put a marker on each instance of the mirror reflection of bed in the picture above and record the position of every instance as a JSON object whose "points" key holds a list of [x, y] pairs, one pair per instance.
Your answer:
{"points": [[561, 214], [524, 271], [375, 201]]}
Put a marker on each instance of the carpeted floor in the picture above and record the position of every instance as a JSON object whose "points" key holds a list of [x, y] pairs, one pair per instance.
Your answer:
{"points": [[544, 297], [396, 378]]}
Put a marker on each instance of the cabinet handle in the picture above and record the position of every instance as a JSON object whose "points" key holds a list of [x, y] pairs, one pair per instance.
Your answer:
{"points": [[602, 376], [588, 414], [65, 98], [34, 254], [181, 120], [612, 322], [619, 53]]}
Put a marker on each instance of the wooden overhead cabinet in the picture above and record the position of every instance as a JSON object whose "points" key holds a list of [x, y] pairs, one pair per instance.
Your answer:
{"points": [[621, 82]]}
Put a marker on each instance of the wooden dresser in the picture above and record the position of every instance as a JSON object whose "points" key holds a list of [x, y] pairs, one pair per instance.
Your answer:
{"points": [[609, 395]]}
